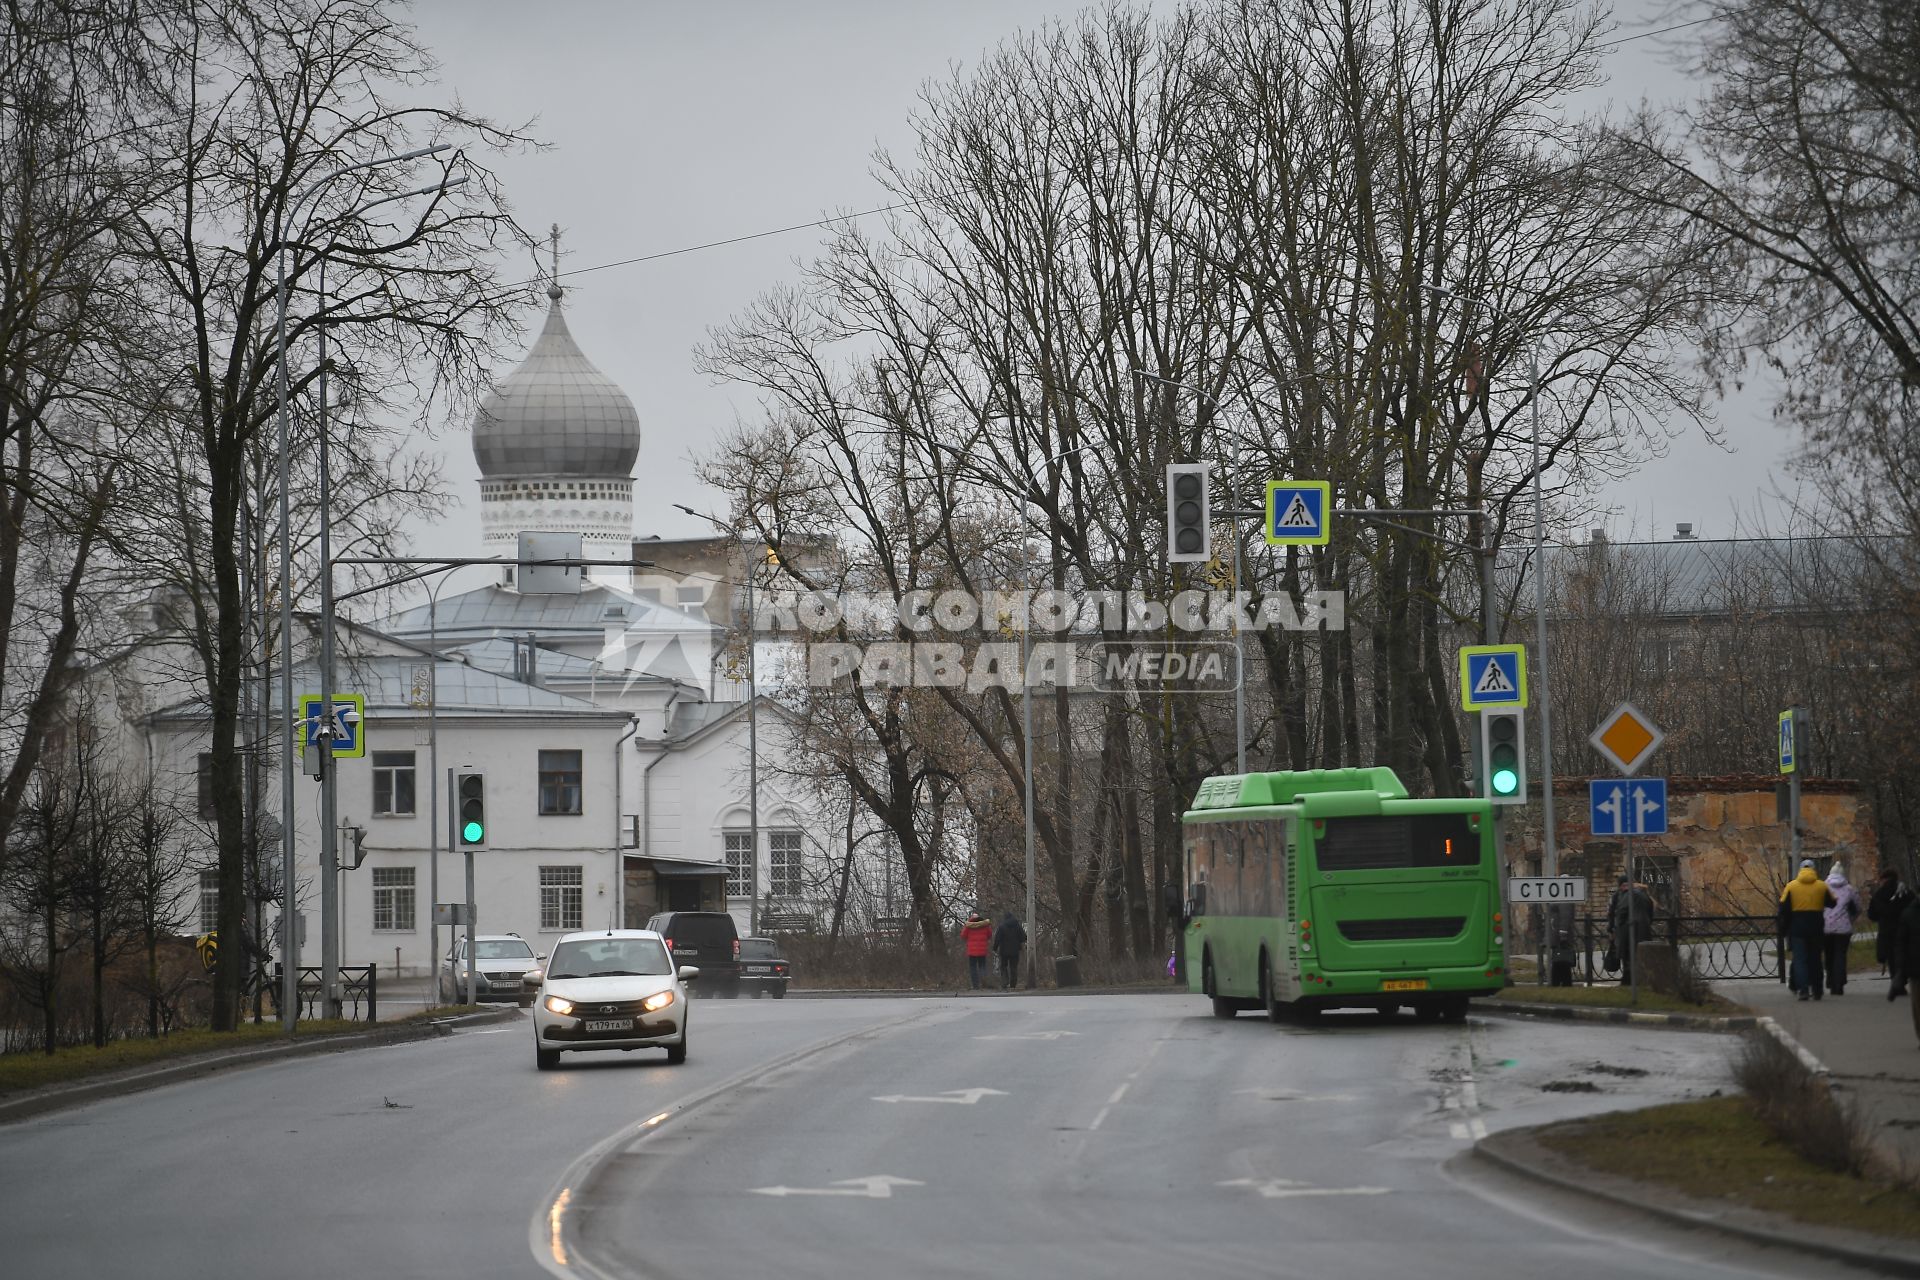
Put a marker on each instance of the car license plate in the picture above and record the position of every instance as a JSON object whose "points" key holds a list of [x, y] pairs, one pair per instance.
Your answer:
{"points": [[610, 1024], [759, 968], [1404, 984]]}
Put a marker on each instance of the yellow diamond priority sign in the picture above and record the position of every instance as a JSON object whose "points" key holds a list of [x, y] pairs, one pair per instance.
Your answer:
{"points": [[1627, 737]]}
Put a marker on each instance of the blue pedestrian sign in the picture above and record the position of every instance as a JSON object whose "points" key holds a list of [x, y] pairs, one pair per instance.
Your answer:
{"points": [[349, 721], [1493, 675], [1297, 513], [1628, 806], [1788, 746]]}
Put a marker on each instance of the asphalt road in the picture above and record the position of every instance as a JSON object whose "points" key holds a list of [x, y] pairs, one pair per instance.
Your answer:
{"points": [[1105, 1136]]}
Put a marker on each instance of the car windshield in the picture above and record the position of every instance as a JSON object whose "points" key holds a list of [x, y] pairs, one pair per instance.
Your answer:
{"points": [[759, 949], [507, 949], [609, 958]]}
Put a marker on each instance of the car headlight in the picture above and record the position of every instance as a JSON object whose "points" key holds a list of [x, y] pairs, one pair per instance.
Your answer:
{"points": [[654, 1004], [556, 1005]]}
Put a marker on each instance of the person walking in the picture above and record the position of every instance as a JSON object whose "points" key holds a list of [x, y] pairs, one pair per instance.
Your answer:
{"points": [[1839, 936], [1906, 948], [977, 932], [1630, 917], [1803, 922], [1884, 907], [1008, 939], [1560, 942]]}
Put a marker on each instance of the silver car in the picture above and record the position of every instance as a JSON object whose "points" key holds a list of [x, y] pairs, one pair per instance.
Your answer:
{"points": [[615, 989], [508, 970]]}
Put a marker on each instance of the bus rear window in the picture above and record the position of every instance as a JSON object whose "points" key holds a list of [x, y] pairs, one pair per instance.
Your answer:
{"points": [[1378, 844]]}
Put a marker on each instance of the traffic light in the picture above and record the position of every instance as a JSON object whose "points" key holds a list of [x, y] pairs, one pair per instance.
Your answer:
{"points": [[471, 809], [1189, 513], [1503, 754]]}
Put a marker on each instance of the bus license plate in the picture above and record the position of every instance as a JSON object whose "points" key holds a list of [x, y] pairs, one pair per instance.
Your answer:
{"points": [[611, 1024], [1404, 984]]}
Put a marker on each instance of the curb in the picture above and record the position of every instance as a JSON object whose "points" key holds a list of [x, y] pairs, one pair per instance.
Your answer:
{"points": [[1628, 1017], [1798, 1050], [119, 1084], [1504, 1151]]}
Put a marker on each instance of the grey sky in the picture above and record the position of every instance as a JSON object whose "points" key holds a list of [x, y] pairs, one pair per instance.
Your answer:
{"points": [[674, 124]]}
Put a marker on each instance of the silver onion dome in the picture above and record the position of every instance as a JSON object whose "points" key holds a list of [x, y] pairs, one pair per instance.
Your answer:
{"points": [[556, 415]]}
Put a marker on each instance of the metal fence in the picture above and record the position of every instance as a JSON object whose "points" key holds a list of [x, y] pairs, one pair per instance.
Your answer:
{"points": [[1719, 947], [358, 985]]}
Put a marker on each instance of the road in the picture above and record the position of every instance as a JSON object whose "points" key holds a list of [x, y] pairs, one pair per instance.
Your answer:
{"points": [[1069, 1136]]}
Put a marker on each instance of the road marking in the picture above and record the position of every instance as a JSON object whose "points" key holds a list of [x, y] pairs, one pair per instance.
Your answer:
{"points": [[1475, 1128], [1099, 1118], [963, 1097], [1286, 1188], [878, 1186], [1118, 1094], [1031, 1035]]}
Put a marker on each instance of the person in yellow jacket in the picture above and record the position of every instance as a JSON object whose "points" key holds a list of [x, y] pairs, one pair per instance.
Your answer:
{"points": [[1803, 921]]}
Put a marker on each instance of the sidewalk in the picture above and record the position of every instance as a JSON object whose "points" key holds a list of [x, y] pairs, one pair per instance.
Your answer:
{"points": [[1866, 1042]]}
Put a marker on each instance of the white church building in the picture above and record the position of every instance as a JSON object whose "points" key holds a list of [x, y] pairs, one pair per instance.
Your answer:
{"points": [[611, 732]]}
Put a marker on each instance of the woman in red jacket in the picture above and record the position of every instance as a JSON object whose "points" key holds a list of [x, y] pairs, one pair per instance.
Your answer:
{"points": [[976, 933]]}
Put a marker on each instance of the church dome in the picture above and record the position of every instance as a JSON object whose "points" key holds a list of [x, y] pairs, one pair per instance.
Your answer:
{"points": [[557, 415]]}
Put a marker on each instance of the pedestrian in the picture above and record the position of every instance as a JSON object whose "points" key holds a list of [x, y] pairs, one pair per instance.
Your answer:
{"points": [[1840, 917], [977, 932], [1906, 945], [1630, 917], [1884, 907], [1560, 942], [1803, 922], [1008, 939]]}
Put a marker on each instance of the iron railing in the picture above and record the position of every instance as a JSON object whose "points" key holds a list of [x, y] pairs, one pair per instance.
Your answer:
{"points": [[358, 985], [1719, 947]]}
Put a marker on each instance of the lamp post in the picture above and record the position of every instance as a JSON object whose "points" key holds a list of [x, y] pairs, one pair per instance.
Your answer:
{"points": [[289, 933], [753, 732]]}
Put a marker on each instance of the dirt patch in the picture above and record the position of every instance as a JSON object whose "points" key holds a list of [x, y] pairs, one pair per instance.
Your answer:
{"points": [[1608, 1069], [1569, 1086]]}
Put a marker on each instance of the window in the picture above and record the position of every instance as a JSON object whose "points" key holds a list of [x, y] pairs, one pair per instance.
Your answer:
{"points": [[691, 595], [203, 786], [393, 784], [560, 896], [209, 899], [783, 863], [559, 782], [393, 896], [739, 864], [1426, 840]]}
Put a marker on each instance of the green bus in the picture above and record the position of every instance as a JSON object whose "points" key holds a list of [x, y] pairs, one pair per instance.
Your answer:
{"points": [[1330, 889]]}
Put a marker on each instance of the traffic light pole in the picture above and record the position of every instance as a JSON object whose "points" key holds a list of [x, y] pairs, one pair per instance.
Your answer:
{"points": [[473, 960]]}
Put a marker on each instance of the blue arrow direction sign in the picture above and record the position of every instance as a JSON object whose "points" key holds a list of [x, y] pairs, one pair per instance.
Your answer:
{"points": [[349, 736], [1297, 512], [1628, 806]]}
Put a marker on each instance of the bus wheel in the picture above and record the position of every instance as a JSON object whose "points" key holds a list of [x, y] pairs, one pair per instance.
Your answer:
{"points": [[1426, 1011], [1454, 1008], [1223, 1007], [1276, 1012]]}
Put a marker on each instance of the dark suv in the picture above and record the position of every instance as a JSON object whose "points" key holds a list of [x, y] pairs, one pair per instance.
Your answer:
{"points": [[708, 941]]}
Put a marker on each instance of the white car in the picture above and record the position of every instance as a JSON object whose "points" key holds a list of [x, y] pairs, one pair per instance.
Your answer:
{"points": [[614, 989]]}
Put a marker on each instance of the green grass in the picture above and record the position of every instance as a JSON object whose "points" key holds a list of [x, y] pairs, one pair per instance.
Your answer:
{"points": [[1720, 1149], [1616, 997], [34, 1070]]}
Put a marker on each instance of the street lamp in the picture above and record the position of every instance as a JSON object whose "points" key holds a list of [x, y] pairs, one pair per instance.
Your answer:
{"points": [[330, 940], [753, 734], [1550, 858], [289, 933]]}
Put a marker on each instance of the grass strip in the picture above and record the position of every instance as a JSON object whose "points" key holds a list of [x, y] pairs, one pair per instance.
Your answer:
{"points": [[1617, 997], [34, 1070], [1720, 1149]]}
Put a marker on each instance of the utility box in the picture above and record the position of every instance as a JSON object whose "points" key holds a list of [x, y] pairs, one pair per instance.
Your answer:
{"points": [[450, 913]]}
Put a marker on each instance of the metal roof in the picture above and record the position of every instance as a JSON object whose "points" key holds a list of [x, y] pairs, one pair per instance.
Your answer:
{"points": [[496, 610], [397, 685]]}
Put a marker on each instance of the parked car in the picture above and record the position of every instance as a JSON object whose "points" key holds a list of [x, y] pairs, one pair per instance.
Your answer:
{"points": [[508, 970], [763, 968], [707, 939], [616, 989]]}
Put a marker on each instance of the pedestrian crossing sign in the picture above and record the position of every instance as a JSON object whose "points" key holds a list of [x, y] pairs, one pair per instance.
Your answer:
{"points": [[1493, 675], [1297, 513]]}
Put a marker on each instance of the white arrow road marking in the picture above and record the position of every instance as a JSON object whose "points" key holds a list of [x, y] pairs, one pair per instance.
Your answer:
{"points": [[1031, 1035], [877, 1187], [1286, 1188], [964, 1097]]}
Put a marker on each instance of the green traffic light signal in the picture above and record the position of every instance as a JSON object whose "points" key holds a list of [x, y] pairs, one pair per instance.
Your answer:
{"points": [[1505, 781], [472, 789], [472, 832], [1502, 742]]}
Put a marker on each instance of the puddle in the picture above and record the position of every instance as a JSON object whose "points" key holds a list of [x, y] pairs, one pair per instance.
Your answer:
{"points": [[1571, 1086]]}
